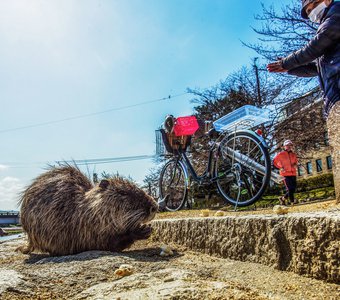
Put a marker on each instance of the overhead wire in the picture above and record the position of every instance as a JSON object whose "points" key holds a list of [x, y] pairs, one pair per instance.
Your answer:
{"points": [[106, 160], [80, 162], [92, 114], [89, 161]]}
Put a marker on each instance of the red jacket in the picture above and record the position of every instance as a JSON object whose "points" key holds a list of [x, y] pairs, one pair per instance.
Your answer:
{"points": [[286, 162]]}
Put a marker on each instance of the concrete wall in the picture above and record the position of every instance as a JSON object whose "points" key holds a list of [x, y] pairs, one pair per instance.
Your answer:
{"points": [[306, 244]]}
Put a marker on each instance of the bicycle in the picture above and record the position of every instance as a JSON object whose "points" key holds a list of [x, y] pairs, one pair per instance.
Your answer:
{"points": [[238, 163]]}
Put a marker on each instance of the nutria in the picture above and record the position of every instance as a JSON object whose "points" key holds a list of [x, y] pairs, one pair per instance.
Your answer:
{"points": [[63, 213]]}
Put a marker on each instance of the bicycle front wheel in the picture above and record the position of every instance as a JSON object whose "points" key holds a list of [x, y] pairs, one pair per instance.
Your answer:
{"points": [[242, 168], [173, 185]]}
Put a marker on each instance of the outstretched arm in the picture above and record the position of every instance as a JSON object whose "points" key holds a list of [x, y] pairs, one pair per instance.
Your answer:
{"points": [[308, 70], [301, 62], [327, 36]]}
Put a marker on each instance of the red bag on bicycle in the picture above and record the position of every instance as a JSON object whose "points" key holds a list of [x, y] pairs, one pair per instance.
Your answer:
{"points": [[186, 126]]}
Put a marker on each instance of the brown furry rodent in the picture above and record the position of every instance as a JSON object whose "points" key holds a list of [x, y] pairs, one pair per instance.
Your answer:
{"points": [[63, 213]]}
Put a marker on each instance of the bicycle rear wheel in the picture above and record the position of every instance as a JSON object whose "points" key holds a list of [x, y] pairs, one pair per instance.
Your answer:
{"points": [[242, 168], [173, 185]]}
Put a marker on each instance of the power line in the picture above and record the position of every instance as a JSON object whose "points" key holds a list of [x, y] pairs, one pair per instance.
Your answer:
{"points": [[91, 114], [81, 162], [106, 160]]}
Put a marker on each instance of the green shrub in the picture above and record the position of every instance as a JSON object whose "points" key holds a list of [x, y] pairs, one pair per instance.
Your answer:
{"points": [[321, 181], [306, 184], [274, 189]]}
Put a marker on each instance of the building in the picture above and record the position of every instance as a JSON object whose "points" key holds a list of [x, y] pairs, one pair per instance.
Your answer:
{"points": [[302, 121], [9, 218]]}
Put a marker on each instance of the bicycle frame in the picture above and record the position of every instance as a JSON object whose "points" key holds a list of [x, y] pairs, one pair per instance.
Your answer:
{"points": [[243, 159], [222, 147], [189, 169]]}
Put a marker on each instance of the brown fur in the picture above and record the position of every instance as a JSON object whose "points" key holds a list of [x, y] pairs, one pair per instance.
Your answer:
{"points": [[63, 213]]}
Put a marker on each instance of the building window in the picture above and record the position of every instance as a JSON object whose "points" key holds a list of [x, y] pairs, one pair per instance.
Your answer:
{"points": [[318, 165], [329, 162], [309, 168], [300, 171], [325, 138]]}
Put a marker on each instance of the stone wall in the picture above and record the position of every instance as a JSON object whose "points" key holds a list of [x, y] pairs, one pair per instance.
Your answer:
{"points": [[311, 156], [304, 243], [333, 123]]}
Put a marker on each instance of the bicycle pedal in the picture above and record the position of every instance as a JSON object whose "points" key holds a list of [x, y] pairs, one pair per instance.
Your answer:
{"points": [[230, 176], [227, 177]]}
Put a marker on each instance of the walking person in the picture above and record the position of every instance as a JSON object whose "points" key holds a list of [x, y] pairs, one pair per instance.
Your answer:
{"points": [[286, 161], [321, 57]]}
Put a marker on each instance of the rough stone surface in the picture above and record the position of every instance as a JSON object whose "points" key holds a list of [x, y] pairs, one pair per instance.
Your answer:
{"points": [[304, 243], [9, 279], [333, 124], [186, 275]]}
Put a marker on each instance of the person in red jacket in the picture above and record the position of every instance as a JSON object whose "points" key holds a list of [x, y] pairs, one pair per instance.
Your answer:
{"points": [[286, 161]]}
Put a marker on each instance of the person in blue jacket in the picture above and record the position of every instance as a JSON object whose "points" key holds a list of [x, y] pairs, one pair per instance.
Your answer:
{"points": [[321, 57]]}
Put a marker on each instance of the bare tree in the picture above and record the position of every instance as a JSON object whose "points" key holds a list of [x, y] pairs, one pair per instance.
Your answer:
{"points": [[151, 181], [281, 32], [302, 120], [251, 85], [246, 86]]}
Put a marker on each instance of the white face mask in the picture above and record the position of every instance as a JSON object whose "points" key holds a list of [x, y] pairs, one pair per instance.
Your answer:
{"points": [[316, 14]]}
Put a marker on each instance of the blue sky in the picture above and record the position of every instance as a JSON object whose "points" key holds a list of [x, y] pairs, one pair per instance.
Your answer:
{"points": [[64, 58]]}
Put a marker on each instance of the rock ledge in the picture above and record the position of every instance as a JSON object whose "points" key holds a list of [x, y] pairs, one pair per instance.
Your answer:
{"points": [[304, 243]]}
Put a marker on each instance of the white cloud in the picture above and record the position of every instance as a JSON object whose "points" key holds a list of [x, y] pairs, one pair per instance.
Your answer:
{"points": [[10, 187], [3, 167], [62, 36]]}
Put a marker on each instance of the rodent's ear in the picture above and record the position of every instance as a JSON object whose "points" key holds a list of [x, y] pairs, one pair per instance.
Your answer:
{"points": [[104, 184]]}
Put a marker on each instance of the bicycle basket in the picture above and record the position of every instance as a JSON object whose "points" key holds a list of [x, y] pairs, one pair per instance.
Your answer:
{"points": [[186, 126], [244, 117], [174, 143]]}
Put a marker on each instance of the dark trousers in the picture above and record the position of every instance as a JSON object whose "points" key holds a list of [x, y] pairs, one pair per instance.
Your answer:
{"points": [[290, 183]]}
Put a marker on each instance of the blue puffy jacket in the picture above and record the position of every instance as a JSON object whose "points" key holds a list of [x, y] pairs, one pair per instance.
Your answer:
{"points": [[321, 57]]}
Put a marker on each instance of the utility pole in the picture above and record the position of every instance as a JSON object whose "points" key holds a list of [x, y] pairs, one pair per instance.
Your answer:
{"points": [[259, 99]]}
